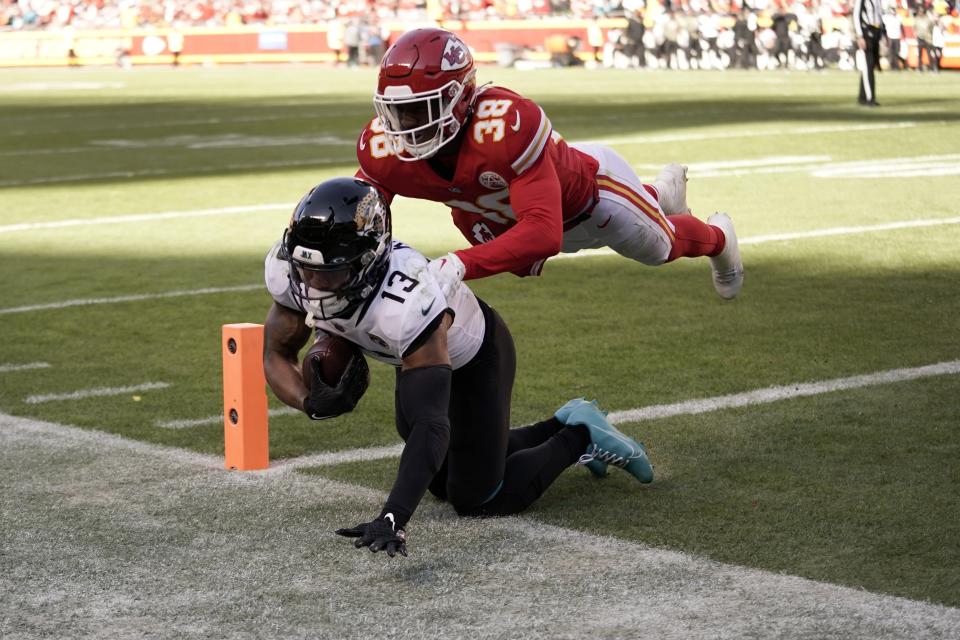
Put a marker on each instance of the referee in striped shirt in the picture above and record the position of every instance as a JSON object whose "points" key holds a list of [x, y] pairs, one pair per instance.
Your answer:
{"points": [[868, 23]]}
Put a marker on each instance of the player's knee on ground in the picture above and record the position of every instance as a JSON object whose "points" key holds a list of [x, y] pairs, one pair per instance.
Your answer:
{"points": [[470, 501]]}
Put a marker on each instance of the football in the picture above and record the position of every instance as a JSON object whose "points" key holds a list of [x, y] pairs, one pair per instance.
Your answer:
{"points": [[331, 354]]}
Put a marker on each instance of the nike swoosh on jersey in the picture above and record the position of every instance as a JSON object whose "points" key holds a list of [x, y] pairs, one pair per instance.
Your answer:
{"points": [[426, 310], [363, 144], [516, 126], [605, 222]]}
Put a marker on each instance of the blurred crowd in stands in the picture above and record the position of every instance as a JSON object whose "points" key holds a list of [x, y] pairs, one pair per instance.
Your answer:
{"points": [[807, 34]]}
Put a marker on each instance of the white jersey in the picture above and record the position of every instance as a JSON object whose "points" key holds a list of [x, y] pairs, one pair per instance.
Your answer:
{"points": [[399, 310]]}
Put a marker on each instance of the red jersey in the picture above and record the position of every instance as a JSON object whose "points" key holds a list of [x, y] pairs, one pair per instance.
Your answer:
{"points": [[516, 182]]}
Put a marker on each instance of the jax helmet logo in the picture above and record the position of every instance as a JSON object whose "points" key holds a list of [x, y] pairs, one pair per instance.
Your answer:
{"points": [[454, 55]]}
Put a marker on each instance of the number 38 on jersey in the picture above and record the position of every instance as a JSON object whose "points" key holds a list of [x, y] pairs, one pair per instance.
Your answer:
{"points": [[489, 120]]}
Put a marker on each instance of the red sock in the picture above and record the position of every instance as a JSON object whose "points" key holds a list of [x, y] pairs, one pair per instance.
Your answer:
{"points": [[694, 238]]}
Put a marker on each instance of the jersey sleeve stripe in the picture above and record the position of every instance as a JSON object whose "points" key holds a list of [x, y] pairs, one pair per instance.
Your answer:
{"points": [[535, 148], [606, 183]]}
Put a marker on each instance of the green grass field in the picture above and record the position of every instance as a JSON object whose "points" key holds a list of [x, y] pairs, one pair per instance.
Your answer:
{"points": [[849, 219]]}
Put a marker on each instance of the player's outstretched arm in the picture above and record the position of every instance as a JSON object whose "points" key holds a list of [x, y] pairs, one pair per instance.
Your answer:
{"points": [[536, 200], [284, 333], [423, 390]]}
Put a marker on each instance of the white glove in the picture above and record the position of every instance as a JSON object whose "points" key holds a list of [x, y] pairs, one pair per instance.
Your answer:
{"points": [[448, 272]]}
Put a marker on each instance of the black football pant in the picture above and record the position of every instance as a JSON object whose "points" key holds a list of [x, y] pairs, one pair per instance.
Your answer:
{"points": [[868, 86], [491, 469]]}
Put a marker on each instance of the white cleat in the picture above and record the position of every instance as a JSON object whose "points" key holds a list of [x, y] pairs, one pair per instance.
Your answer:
{"points": [[671, 186], [727, 267]]}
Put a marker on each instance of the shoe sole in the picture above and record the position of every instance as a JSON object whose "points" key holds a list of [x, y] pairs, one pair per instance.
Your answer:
{"points": [[726, 225]]}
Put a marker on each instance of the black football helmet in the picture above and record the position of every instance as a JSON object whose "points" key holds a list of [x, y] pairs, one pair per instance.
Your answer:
{"points": [[338, 246]]}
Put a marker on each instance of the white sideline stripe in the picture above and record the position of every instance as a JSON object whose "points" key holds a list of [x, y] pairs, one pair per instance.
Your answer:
{"points": [[697, 597], [131, 298], [217, 419], [7, 368], [104, 439], [146, 217], [95, 393], [584, 253], [785, 392]]}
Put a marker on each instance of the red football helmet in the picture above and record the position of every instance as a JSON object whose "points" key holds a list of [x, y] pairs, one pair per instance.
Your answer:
{"points": [[425, 91]]}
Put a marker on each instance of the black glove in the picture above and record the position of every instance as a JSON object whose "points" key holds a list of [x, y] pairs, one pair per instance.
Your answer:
{"points": [[381, 534], [325, 401]]}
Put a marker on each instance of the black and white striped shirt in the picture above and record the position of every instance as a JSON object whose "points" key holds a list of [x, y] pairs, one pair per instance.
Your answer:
{"points": [[867, 13]]}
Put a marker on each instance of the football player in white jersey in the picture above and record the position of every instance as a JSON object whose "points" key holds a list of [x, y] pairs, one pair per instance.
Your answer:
{"points": [[337, 270]]}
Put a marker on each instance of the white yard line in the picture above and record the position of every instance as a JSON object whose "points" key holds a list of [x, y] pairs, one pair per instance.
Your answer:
{"points": [[742, 164], [217, 419], [842, 231], [613, 141], [83, 177], [7, 368], [186, 143], [823, 167], [761, 133], [153, 493], [82, 302], [796, 235], [146, 217], [690, 407], [786, 392], [95, 393], [945, 164], [586, 253]]}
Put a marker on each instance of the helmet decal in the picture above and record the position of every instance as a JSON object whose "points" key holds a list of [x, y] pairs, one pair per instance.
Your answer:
{"points": [[369, 216], [454, 55]]}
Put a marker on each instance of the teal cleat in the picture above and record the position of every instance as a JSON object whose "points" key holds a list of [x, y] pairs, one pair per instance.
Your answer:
{"points": [[563, 413], [608, 445], [596, 466]]}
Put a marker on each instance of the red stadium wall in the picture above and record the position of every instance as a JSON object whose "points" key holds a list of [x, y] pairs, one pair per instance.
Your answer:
{"points": [[299, 43]]}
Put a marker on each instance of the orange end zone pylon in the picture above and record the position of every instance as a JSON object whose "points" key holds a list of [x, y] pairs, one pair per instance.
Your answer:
{"points": [[245, 433]]}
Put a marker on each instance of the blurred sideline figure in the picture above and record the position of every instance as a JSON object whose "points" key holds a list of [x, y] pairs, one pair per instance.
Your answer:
{"points": [[338, 270], [517, 191], [868, 24]]}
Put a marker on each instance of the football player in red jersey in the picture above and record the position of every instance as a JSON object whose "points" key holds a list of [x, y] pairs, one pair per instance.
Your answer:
{"points": [[517, 191]]}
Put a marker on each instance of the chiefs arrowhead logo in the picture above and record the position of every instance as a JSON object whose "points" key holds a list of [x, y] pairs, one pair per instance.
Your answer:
{"points": [[454, 55]]}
